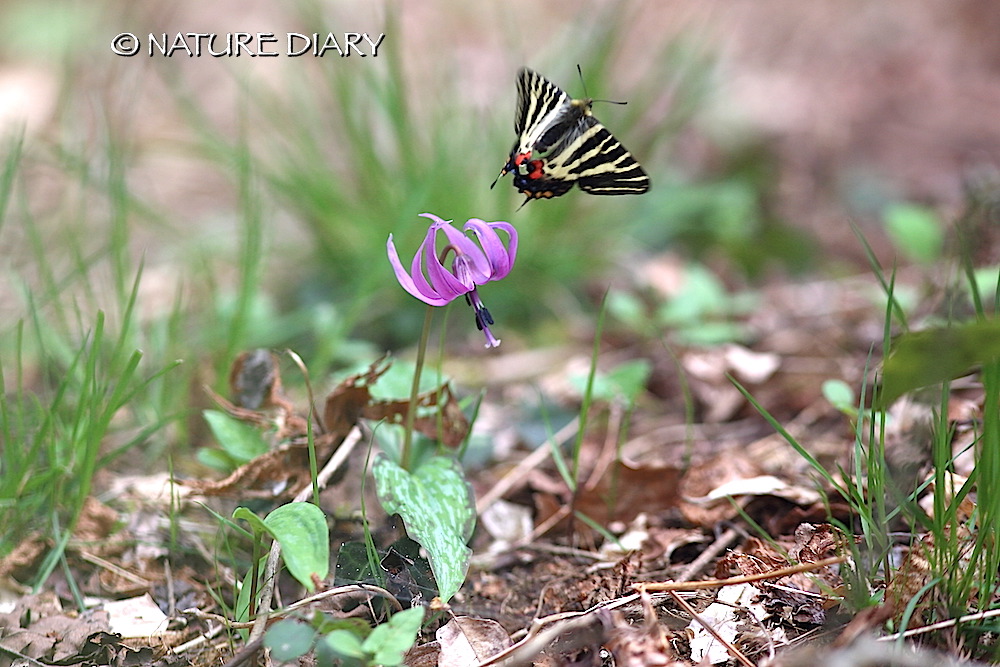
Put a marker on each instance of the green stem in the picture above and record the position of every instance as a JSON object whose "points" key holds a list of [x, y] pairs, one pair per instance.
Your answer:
{"points": [[411, 413]]}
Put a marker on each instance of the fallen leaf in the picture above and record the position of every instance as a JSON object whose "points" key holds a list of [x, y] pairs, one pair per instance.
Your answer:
{"points": [[727, 617], [465, 641], [138, 617]]}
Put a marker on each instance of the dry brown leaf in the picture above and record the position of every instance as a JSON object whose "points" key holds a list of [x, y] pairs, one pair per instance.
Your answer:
{"points": [[38, 628], [255, 380], [798, 599], [96, 521], [465, 640], [701, 479], [640, 644], [344, 405], [279, 473], [351, 400], [626, 489], [23, 557]]}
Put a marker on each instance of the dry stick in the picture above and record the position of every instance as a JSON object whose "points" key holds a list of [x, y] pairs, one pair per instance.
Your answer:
{"points": [[351, 590], [733, 651], [714, 583], [941, 624], [115, 569], [271, 569], [200, 639], [708, 554], [528, 463], [537, 640]]}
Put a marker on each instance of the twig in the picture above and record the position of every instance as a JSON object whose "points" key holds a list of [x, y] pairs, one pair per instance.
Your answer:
{"points": [[733, 651], [29, 660], [115, 569], [714, 583], [560, 550], [200, 639], [527, 464], [537, 639], [941, 625], [709, 554]]}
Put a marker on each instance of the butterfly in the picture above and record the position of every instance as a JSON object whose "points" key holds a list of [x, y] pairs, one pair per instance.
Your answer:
{"points": [[559, 143]]}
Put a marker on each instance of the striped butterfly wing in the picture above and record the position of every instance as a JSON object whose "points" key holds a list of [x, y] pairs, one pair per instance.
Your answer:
{"points": [[597, 162], [542, 117], [589, 156], [560, 143], [542, 108]]}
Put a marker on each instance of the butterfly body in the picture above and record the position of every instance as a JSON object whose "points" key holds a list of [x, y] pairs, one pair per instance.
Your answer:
{"points": [[560, 143]]}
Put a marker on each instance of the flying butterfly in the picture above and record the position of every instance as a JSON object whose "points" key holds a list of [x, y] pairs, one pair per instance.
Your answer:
{"points": [[559, 143]]}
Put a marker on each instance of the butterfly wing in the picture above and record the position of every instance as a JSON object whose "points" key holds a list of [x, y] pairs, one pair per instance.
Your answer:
{"points": [[560, 143], [539, 118], [591, 157], [541, 105]]}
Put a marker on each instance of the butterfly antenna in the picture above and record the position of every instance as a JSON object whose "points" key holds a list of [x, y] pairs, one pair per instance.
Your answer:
{"points": [[579, 71]]}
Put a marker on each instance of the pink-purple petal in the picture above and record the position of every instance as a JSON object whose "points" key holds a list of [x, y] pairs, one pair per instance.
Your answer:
{"points": [[511, 241], [474, 262], [477, 261], [443, 282], [496, 253], [406, 281]]}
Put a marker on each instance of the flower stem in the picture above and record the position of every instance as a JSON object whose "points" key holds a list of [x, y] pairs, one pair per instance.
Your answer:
{"points": [[411, 413]]}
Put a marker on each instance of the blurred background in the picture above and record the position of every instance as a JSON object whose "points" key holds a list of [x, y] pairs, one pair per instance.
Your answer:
{"points": [[202, 206]]}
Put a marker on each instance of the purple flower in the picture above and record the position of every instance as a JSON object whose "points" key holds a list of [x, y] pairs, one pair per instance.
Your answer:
{"points": [[472, 265]]}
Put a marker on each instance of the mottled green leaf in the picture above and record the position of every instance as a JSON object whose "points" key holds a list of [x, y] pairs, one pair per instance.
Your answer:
{"points": [[436, 505]]}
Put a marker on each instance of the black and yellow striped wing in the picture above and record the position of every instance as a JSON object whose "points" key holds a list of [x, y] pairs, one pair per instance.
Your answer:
{"points": [[559, 143]]}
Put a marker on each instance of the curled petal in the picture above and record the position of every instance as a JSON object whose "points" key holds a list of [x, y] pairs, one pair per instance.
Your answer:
{"points": [[477, 262], [422, 291], [500, 258], [443, 281]]}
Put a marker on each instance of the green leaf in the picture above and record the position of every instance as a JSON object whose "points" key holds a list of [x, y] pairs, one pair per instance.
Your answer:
{"points": [[840, 396], [301, 530], [241, 441], [623, 382], [389, 641], [436, 505], [345, 643], [915, 230], [629, 309], [216, 459], [935, 355], [257, 524], [288, 639], [701, 295]]}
